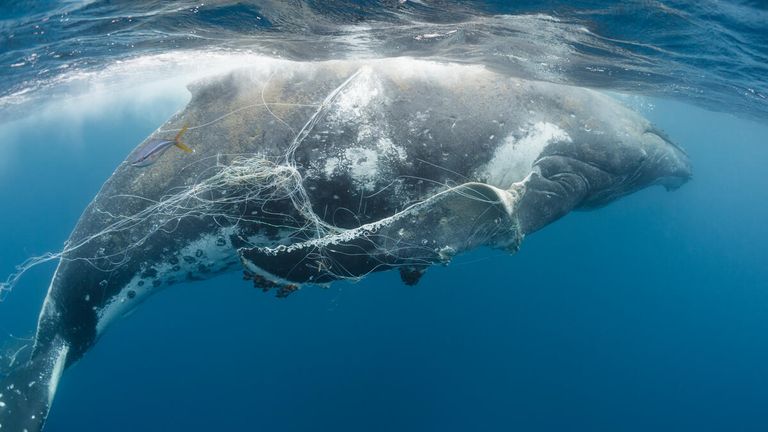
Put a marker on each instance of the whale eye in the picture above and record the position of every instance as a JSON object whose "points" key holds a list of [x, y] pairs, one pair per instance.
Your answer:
{"points": [[131, 294]]}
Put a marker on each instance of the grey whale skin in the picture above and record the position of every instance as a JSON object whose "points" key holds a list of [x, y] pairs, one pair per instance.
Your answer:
{"points": [[311, 172]]}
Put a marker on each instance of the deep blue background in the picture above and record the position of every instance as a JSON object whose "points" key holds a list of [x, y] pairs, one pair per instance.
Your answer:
{"points": [[649, 314]]}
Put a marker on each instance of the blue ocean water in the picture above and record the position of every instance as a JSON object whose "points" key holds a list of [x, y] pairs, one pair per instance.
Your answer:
{"points": [[648, 314]]}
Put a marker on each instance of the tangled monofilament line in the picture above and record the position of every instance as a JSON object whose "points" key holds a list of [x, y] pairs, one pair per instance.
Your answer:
{"points": [[255, 178], [247, 181]]}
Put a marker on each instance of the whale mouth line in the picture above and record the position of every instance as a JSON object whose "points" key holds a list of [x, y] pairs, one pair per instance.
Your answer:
{"points": [[575, 159]]}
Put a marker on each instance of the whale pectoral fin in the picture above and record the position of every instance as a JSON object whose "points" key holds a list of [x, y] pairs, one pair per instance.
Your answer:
{"points": [[27, 392], [430, 232]]}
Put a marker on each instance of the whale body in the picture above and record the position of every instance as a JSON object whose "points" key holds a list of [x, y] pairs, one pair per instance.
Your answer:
{"points": [[307, 173]]}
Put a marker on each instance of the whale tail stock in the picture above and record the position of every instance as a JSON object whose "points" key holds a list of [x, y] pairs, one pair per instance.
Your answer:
{"points": [[26, 393]]}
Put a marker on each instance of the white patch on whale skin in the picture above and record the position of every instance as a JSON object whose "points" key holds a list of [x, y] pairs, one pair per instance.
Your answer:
{"points": [[355, 97], [357, 108], [389, 149], [512, 161], [56, 370], [331, 164], [216, 257], [363, 165]]}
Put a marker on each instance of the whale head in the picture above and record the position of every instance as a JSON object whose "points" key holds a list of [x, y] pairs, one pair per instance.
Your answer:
{"points": [[636, 161], [614, 152]]}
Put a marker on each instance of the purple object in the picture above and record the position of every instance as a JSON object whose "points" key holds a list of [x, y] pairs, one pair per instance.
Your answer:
{"points": [[151, 152]]}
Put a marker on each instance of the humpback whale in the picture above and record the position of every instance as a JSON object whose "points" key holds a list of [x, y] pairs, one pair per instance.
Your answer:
{"points": [[308, 173]]}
